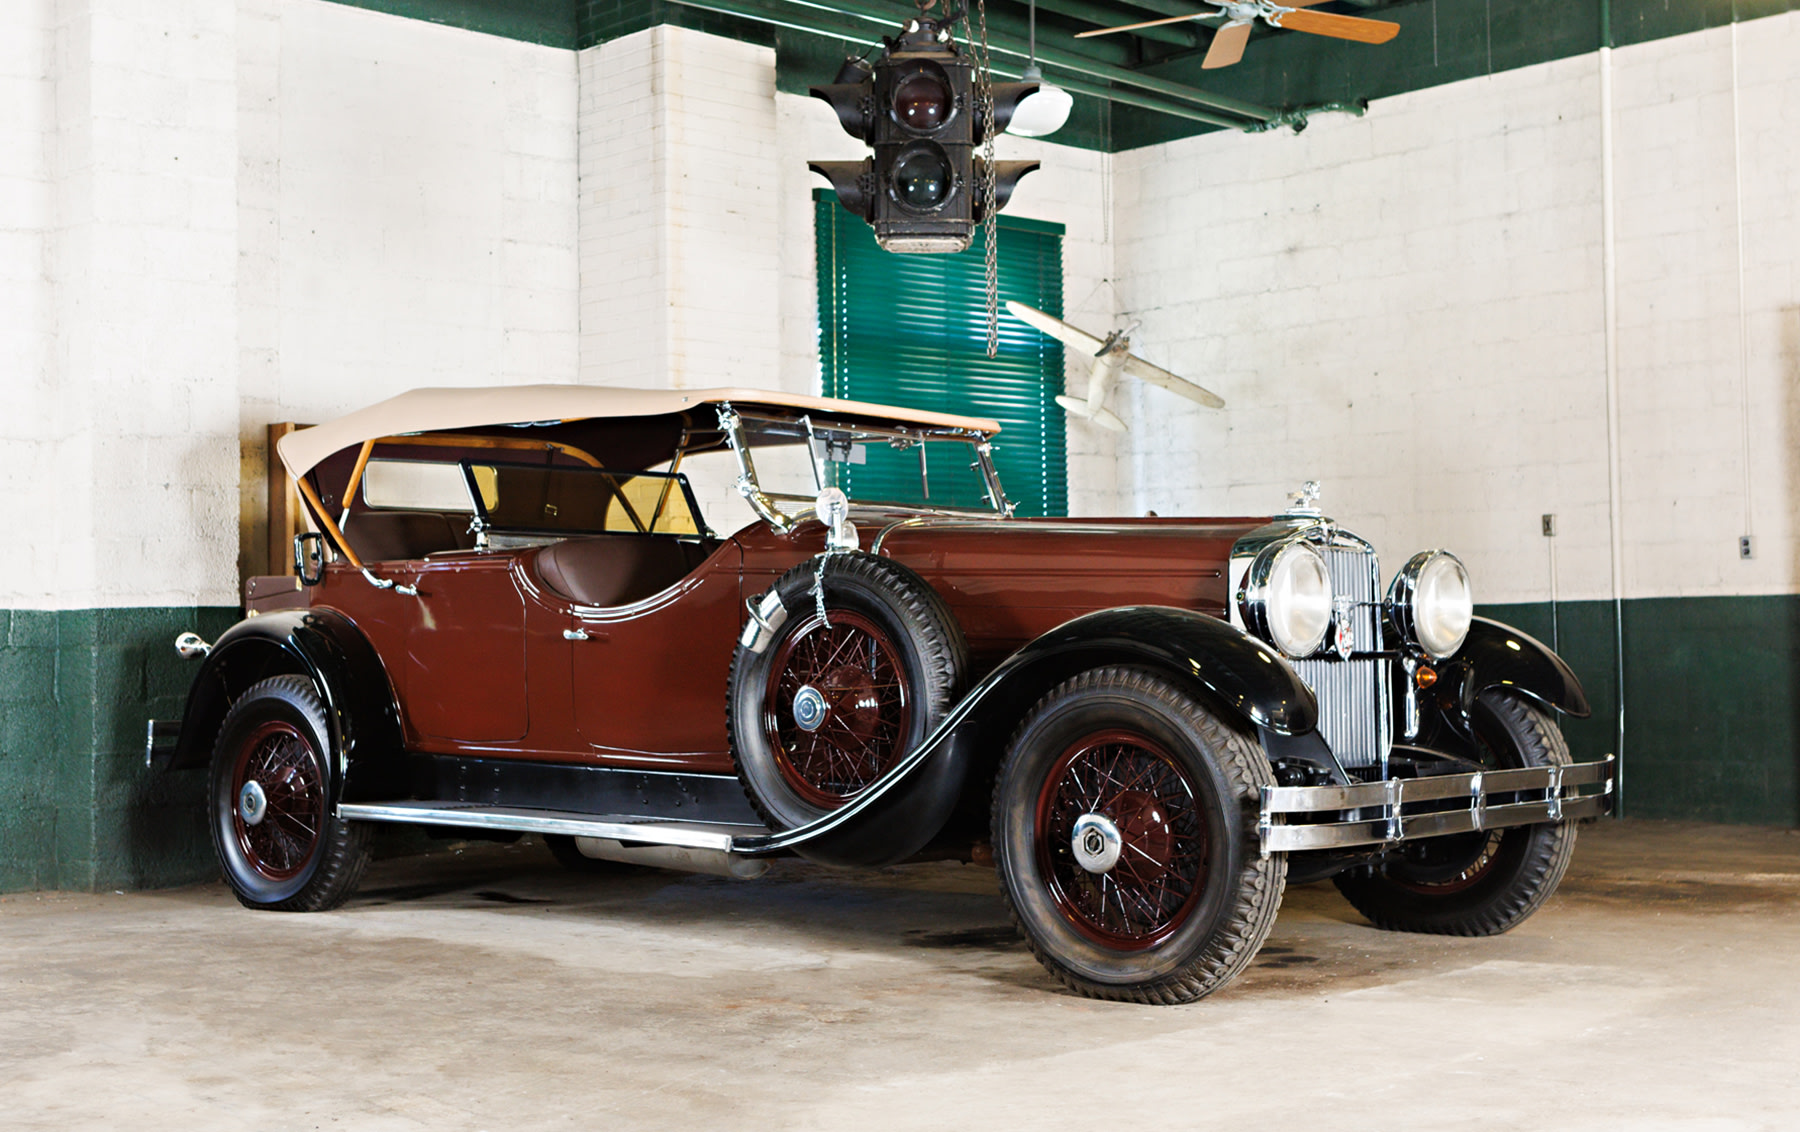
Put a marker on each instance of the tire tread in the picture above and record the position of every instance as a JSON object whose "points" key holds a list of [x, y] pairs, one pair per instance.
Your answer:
{"points": [[1547, 856], [344, 849], [1258, 901]]}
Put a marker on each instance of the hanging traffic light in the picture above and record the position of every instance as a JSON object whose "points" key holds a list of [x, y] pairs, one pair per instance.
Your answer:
{"points": [[918, 107]]}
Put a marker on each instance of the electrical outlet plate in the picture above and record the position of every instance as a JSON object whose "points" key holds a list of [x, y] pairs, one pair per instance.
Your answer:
{"points": [[1549, 526], [1745, 548]]}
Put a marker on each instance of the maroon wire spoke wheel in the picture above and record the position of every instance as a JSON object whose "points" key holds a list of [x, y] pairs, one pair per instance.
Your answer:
{"points": [[1144, 796], [837, 708], [1468, 877], [278, 801], [1442, 866]]}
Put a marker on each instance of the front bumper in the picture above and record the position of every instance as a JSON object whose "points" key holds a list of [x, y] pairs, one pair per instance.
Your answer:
{"points": [[1406, 809]]}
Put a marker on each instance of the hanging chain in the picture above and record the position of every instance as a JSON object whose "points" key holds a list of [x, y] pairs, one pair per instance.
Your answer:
{"points": [[984, 95], [819, 593]]}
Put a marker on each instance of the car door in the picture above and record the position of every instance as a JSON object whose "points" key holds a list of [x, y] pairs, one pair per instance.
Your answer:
{"points": [[649, 678], [465, 653]]}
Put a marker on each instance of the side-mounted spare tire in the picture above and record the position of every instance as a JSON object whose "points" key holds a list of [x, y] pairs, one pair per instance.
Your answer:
{"points": [[821, 707]]}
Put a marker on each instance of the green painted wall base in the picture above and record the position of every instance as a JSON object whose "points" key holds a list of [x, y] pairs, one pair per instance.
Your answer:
{"points": [[78, 809], [1712, 719], [1712, 726]]}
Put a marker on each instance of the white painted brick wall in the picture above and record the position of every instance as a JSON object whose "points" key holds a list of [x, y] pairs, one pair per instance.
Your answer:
{"points": [[219, 213], [425, 204], [406, 204], [28, 441], [120, 404], [680, 232], [1409, 307]]}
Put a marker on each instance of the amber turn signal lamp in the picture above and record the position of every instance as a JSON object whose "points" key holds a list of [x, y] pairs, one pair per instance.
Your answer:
{"points": [[1426, 676]]}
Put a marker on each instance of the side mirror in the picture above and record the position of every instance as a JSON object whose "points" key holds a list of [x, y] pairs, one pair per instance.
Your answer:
{"points": [[309, 557]]}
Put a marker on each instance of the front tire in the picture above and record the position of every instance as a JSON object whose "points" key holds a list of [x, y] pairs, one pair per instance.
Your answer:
{"points": [[1483, 883], [279, 843], [1124, 831]]}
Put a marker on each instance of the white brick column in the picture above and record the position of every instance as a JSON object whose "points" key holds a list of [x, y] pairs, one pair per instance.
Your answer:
{"points": [[680, 231], [134, 402]]}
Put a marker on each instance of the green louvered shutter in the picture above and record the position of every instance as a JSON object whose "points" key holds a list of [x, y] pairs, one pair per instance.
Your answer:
{"points": [[911, 330]]}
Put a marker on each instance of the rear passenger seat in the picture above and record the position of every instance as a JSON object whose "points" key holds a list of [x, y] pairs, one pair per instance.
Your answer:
{"points": [[607, 570]]}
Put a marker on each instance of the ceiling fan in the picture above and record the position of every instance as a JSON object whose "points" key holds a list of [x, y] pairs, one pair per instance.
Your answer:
{"points": [[1228, 42]]}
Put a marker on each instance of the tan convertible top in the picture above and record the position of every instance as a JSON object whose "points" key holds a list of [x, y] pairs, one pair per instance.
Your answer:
{"points": [[435, 410]]}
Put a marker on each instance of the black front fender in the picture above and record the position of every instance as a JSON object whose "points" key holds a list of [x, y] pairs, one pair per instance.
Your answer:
{"points": [[1499, 656], [324, 646], [901, 812]]}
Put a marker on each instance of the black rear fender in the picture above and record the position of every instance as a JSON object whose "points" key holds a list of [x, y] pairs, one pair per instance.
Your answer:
{"points": [[325, 647]]}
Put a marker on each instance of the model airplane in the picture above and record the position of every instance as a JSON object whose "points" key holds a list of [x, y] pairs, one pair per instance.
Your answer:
{"points": [[1112, 356]]}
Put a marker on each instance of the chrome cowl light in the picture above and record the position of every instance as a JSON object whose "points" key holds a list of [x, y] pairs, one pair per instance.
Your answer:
{"points": [[1431, 604], [1286, 597]]}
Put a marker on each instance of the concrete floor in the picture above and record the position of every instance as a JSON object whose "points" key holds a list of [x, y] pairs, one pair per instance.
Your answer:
{"points": [[487, 989]]}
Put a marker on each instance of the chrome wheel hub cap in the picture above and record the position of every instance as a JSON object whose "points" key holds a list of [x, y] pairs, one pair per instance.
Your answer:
{"points": [[1096, 843], [809, 708], [253, 804]]}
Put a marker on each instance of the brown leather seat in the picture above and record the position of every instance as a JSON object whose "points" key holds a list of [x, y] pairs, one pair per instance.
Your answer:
{"points": [[606, 570], [388, 536]]}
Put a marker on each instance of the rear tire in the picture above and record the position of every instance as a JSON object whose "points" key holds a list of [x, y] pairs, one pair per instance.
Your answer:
{"points": [[279, 842], [1484, 883], [1124, 831]]}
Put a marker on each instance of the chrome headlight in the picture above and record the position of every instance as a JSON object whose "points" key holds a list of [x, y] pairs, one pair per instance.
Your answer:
{"points": [[1286, 598], [1430, 602]]}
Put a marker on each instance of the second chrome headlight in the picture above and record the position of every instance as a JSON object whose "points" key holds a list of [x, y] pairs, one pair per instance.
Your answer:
{"points": [[1431, 603], [1287, 598]]}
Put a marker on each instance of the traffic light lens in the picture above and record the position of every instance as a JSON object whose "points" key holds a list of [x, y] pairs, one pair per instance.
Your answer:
{"points": [[922, 180], [922, 102]]}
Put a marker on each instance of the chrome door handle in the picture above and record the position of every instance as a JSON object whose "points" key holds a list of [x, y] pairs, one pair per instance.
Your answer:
{"points": [[575, 634]]}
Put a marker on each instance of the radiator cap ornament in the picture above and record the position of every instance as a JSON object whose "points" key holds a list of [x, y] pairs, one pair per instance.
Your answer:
{"points": [[1306, 500]]}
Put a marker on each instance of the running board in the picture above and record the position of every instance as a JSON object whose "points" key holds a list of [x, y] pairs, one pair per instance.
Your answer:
{"points": [[704, 847]]}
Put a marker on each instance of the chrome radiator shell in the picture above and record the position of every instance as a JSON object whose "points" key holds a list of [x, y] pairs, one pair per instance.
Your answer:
{"points": [[1355, 695]]}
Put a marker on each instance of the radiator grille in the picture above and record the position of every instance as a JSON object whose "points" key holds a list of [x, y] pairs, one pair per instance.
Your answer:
{"points": [[1353, 694]]}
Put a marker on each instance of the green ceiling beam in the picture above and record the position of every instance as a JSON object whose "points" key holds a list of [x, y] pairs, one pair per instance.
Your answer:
{"points": [[1101, 16], [1081, 61], [868, 25]]}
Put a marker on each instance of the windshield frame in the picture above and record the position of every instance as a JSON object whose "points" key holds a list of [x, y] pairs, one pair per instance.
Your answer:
{"points": [[743, 430]]}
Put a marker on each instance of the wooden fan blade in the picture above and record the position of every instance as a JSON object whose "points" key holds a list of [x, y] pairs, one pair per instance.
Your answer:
{"points": [[1145, 24], [1227, 46], [1338, 27]]}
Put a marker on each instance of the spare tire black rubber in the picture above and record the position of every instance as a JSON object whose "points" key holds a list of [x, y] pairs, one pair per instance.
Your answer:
{"points": [[870, 680]]}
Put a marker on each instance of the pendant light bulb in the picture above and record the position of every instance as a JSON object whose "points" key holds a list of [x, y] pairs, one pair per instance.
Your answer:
{"points": [[1044, 111]]}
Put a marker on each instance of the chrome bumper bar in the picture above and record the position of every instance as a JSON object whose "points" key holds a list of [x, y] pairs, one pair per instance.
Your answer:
{"points": [[1533, 794]]}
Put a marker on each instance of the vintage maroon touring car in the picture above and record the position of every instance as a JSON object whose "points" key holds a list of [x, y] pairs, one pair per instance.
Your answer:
{"points": [[516, 615]]}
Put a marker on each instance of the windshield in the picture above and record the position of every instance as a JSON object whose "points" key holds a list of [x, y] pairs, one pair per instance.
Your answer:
{"points": [[873, 466]]}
